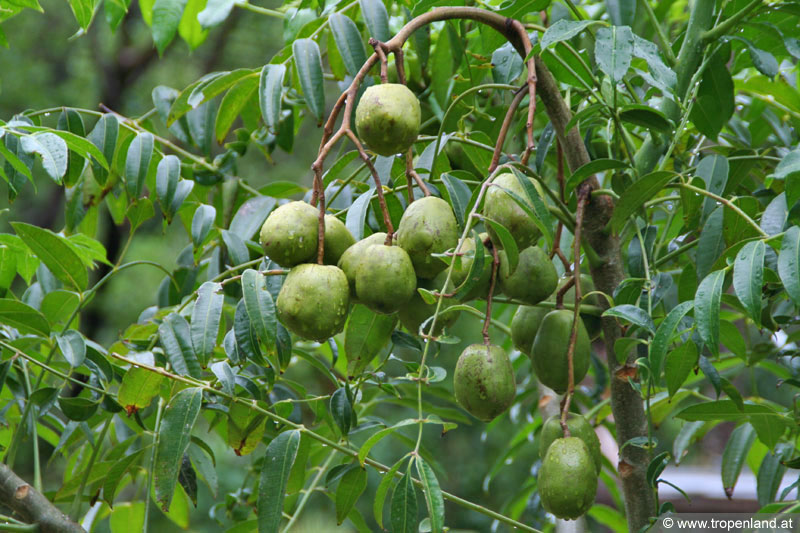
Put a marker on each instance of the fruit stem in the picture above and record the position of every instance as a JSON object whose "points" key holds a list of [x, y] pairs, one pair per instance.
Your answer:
{"points": [[412, 174], [387, 220], [563, 290], [318, 198], [379, 50], [492, 283], [501, 137]]}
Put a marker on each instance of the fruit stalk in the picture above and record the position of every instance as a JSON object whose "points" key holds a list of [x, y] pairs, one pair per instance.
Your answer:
{"points": [[412, 174], [492, 283], [387, 220], [501, 137]]}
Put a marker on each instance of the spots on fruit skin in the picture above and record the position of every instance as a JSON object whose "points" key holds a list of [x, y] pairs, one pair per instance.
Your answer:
{"points": [[483, 381]]}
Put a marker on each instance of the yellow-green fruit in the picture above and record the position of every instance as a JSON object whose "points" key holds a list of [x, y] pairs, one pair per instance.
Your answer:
{"points": [[385, 279], [578, 427], [352, 257], [484, 381], [387, 118], [460, 273], [549, 352], [524, 326], [313, 301], [501, 207], [289, 235], [534, 279], [416, 311], [337, 239], [428, 226], [567, 479]]}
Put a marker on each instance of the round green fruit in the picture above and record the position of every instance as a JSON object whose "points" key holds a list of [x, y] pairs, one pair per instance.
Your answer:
{"points": [[313, 301], [534, 279], [289, 236], [428, 226], [568, 479], [460, 273], [483, 381], [549, 351], [385, 279], [351, 258], [501, 207], [524, 326], [337, 239], [388, 118], [416, 311], [578, 427]]}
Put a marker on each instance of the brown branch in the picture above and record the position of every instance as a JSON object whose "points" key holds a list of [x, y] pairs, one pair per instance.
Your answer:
{"points": [[564, 288], [492, 283], [401, 68], [32, 506], [379, 50], [387, 220], [412, 174], [501, 137], [319, 193]]}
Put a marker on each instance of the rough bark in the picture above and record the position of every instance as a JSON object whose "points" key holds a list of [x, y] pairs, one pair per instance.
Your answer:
{"points": [[32, 506]]}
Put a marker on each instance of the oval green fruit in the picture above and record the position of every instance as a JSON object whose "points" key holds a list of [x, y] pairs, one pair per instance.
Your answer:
{"points": [[289, 236], [483, 381], [567, 479], [549, 351], [351, 258], [337, 240], [388, 118], [460, 272], [385, 279], [501, 207], [534, 279], [578, 427], [313, 301], [524, 326], [593, 323], [416, 311], [428, 226]]}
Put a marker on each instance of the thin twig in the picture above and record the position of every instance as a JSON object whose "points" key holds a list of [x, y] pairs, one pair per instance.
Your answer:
{"points": [[492, 283], [501, 137], [412, 174], [379, 50], [387, 220], [563, 290]]}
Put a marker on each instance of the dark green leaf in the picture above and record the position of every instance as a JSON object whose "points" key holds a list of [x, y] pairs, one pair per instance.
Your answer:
{"points": [[678, 365], [714, 103], [54, 251], [506, 64], [433, 495], [166, 17], [789, 263], [770, 474], [348, 42], [634, 315], [748, 277], [176, 339], [507, 243], [167, 176], [278, 462], [137, 163], [564, 29], [250, 216], [116, 473], [79, 409], [591, 168], [342, 410], [663, 336], [712, 242], [459, 196], [733, 458], [656, 467], [72, 347], [23, 317], [621, 12], [270, 93], [706, 309], [376, 18], [774, 217], [613, 51], [382, 490], [365, 334], [205, 320], [260, 307], [202, 222], [357, 213], [173, 440], [647, 117], [637, 194], [309, 70], [350, 488], [232, 105], [404, 506]]}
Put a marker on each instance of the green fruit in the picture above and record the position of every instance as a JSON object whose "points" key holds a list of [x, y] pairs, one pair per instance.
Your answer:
{"points": [[289, 236], [501, 207], [416, 311], [524, 326], [385, 279], [567, 479], [388, 118], [549, 352], [351, 258], [484, 381], [593, 323], [460, 273], [428, 226], [337, 239], [578, 427], [534, 279], [313, 301]]}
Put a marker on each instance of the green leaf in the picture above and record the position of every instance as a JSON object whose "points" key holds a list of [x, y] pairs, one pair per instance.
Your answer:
{"points": [[232, 104], [770, 474], [270, 90], [663, 336], [507, 243], [376, 18], [309, 70], [748, 277], [212, 87], [52, 150], [769, 425], [357, 214], [189, 27], [613, 51], [54, 251], [564, 29], [205, 320], [260, 307], [78, 408], [382, 491], [58, 306], [348, 42], [762, 60], [137, 163], [23, 317], [365, 334], [621, 12], [506, 64], [663, 77], [104, 137], [140, 211], [342, 411], [166, 17], [139, 387], [711, 242], [591, 168], [202, 222], [277, 465], [734, 455], [714, 170], [404, 506], [236, 248], [714, 104], [790, 164], [634, 315], [690, 432], [706, 309], [168, 173], [72, 347], [376, 437], [647, 117], [789, 263], [174, 434], [350, 488], [459, 196], [83, 10], [215, 12], [70, 121], [116, 473], [773, 219], [250, 216], [176, 339], [433, 495], [475, 269], [634, 197], [533, 205]]}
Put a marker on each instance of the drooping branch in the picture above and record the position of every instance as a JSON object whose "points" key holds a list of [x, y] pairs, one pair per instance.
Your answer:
{"points": [[32, 506]]}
